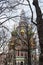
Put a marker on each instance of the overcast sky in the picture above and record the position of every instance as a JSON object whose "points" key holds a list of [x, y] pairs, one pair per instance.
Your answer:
{"points": [[27, 9]]}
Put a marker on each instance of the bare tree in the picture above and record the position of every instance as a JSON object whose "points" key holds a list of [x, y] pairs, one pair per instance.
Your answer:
{"points": [[39, 27], [8, 9], [8, 6]]}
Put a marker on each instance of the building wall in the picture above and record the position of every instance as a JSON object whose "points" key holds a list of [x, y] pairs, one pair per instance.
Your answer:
{"points": [[22, 53], [21, 56]]}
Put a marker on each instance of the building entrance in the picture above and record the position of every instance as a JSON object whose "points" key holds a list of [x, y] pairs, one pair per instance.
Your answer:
{"points": [[21, 63]]}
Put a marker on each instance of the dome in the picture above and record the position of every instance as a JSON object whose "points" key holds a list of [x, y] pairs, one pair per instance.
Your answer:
{"points": [[22, 31]]}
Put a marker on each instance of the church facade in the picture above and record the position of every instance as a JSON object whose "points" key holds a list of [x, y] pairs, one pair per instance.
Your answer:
{"points": [[19, 43], [22, 49]]}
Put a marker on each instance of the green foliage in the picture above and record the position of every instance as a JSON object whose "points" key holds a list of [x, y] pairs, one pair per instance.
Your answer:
{"points": [[30, 33], [14, 33]]}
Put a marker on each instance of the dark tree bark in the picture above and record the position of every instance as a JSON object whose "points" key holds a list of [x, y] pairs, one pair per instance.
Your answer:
{"points": [[39, 28]]}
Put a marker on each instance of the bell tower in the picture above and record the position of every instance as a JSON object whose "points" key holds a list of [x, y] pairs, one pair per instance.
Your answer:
{"points": [[22, 24]]}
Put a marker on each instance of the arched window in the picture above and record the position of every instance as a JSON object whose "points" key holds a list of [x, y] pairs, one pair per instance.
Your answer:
{"points": [[21, 54]]}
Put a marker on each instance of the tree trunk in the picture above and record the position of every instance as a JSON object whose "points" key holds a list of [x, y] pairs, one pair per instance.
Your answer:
{"points": [[39, 28], [29, 55]]}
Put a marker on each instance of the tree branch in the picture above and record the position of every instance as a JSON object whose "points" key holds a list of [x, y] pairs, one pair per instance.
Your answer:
{"points": [[32, 13]]}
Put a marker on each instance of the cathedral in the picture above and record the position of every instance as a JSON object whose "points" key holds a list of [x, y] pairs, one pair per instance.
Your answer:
{"points": [[22, 48], [18, 45]]}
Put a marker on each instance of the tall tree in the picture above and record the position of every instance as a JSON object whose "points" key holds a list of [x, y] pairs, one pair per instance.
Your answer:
{"points": [[39, 28], [6, 7]]}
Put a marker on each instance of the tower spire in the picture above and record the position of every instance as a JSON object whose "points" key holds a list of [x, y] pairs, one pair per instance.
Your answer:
{"points": [[23, 17]]}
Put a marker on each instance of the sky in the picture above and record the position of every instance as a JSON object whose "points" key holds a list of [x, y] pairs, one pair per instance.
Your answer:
{"points": [[27, 9]]}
